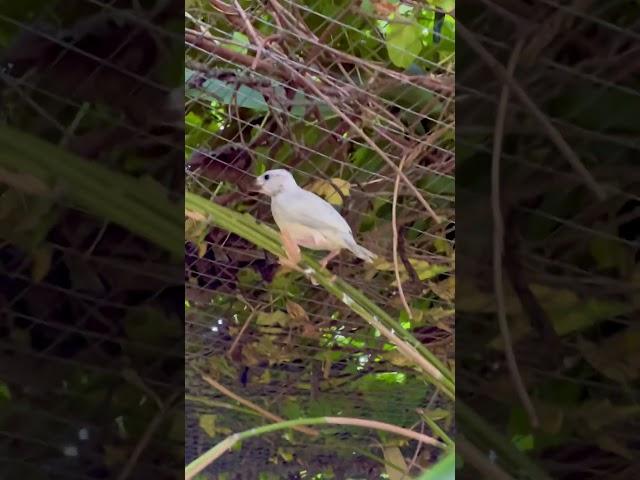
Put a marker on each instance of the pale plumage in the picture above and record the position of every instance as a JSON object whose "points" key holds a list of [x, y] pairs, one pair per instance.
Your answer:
{"points": [[307, 220]]}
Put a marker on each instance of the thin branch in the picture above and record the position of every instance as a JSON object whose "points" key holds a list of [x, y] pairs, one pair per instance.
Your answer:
{"points": [[552, 132], [498, 242], [265, 413], [480, 461], [218, 450], [394, 228], [148, 435]]}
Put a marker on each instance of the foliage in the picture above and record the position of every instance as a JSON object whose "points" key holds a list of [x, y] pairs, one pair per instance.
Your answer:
{"points": [[319, 96], [571, 256], [90, 253]]}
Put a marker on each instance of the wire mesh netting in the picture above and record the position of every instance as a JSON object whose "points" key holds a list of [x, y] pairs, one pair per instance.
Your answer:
{"points": [[356, 100], [91, 367], [570, 253]]}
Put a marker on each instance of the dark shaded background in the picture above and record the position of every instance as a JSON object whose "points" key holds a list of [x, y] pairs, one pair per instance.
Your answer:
{"points": [[570, 267], [91, 315]]}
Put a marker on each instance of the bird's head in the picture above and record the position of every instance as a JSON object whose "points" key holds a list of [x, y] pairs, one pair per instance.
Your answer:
{"points": [[273, 182]]}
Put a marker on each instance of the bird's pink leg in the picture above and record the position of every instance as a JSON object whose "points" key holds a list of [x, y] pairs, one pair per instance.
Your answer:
{"points": [[333, 254], [292, 250]]}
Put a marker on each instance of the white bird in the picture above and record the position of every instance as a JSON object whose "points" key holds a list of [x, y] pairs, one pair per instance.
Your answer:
{"points": [[307, 220]]}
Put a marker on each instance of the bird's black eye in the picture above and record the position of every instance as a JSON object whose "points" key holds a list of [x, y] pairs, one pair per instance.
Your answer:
{"points": [[266, 177]]}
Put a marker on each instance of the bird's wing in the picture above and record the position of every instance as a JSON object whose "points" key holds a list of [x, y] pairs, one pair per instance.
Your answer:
{"points": [[308, 209]]}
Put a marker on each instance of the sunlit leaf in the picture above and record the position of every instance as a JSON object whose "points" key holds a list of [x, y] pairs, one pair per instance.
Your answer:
{"points": [[403, 42], [329, 189]]}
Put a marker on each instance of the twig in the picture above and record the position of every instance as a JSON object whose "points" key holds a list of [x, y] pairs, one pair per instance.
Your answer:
{"points": [[412, 463], [498, 242], [251, 32], [537, 315], [148, 434], [367, 139], [552, 132], [394, 228], [239, 336], [218, 450], [265, 413], [480, 461], [246, 324], [403, 255]]}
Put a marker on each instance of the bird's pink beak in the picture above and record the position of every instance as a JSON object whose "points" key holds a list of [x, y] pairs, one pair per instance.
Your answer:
{"points": [[256, 185]]}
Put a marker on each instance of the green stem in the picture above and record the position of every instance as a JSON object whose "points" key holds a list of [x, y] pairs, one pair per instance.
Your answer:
{"points": [[265, 237], [136, 204], [210, 456], [435, 428], [480, 432]]}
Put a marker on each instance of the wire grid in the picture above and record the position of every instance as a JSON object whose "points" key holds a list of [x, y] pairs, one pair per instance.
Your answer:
{"points": [[575, 65], [91, 334], [300, 370]]}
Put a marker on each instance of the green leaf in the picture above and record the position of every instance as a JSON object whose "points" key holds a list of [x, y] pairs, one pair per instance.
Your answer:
{"points": [[446, 5], [403, 43], [445, 469], [238, 38], [5, 393], [438, 184], [611, 253]]}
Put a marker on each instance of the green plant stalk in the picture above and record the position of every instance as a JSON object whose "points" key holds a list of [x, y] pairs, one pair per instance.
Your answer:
{"points": [[445, 469], [217, 404], [472, 425], [143, 208], [265, 237], [207, 458], [435, 428]]}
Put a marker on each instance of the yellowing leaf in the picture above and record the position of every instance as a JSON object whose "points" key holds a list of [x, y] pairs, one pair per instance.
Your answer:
{"points": [[442, 246], [611, 253], [286, 454], [610, 444], [601, 413], [445, 289], [396, 466], [277, 317], [41, 263], [568, 313], [328, 191], [617, 358], [296, 312], [396, 358], [115, 455], [551, 418], [208, 424], [423, 269]]}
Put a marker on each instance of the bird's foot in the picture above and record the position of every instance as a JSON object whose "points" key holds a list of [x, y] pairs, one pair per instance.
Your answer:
{"points": [[325, 261], [289, 265]]}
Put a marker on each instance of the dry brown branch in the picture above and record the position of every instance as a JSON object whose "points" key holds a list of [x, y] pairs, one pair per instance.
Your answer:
{"points": [[498, 242], [552, 132], [247, 403], [394, 228]]}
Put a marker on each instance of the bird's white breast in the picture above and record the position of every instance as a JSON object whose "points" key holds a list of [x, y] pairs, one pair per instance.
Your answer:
{"points": [[301, 232]]}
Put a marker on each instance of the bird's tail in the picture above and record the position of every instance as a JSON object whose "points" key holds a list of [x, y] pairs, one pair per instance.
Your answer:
{"points": [[360, 252]]}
